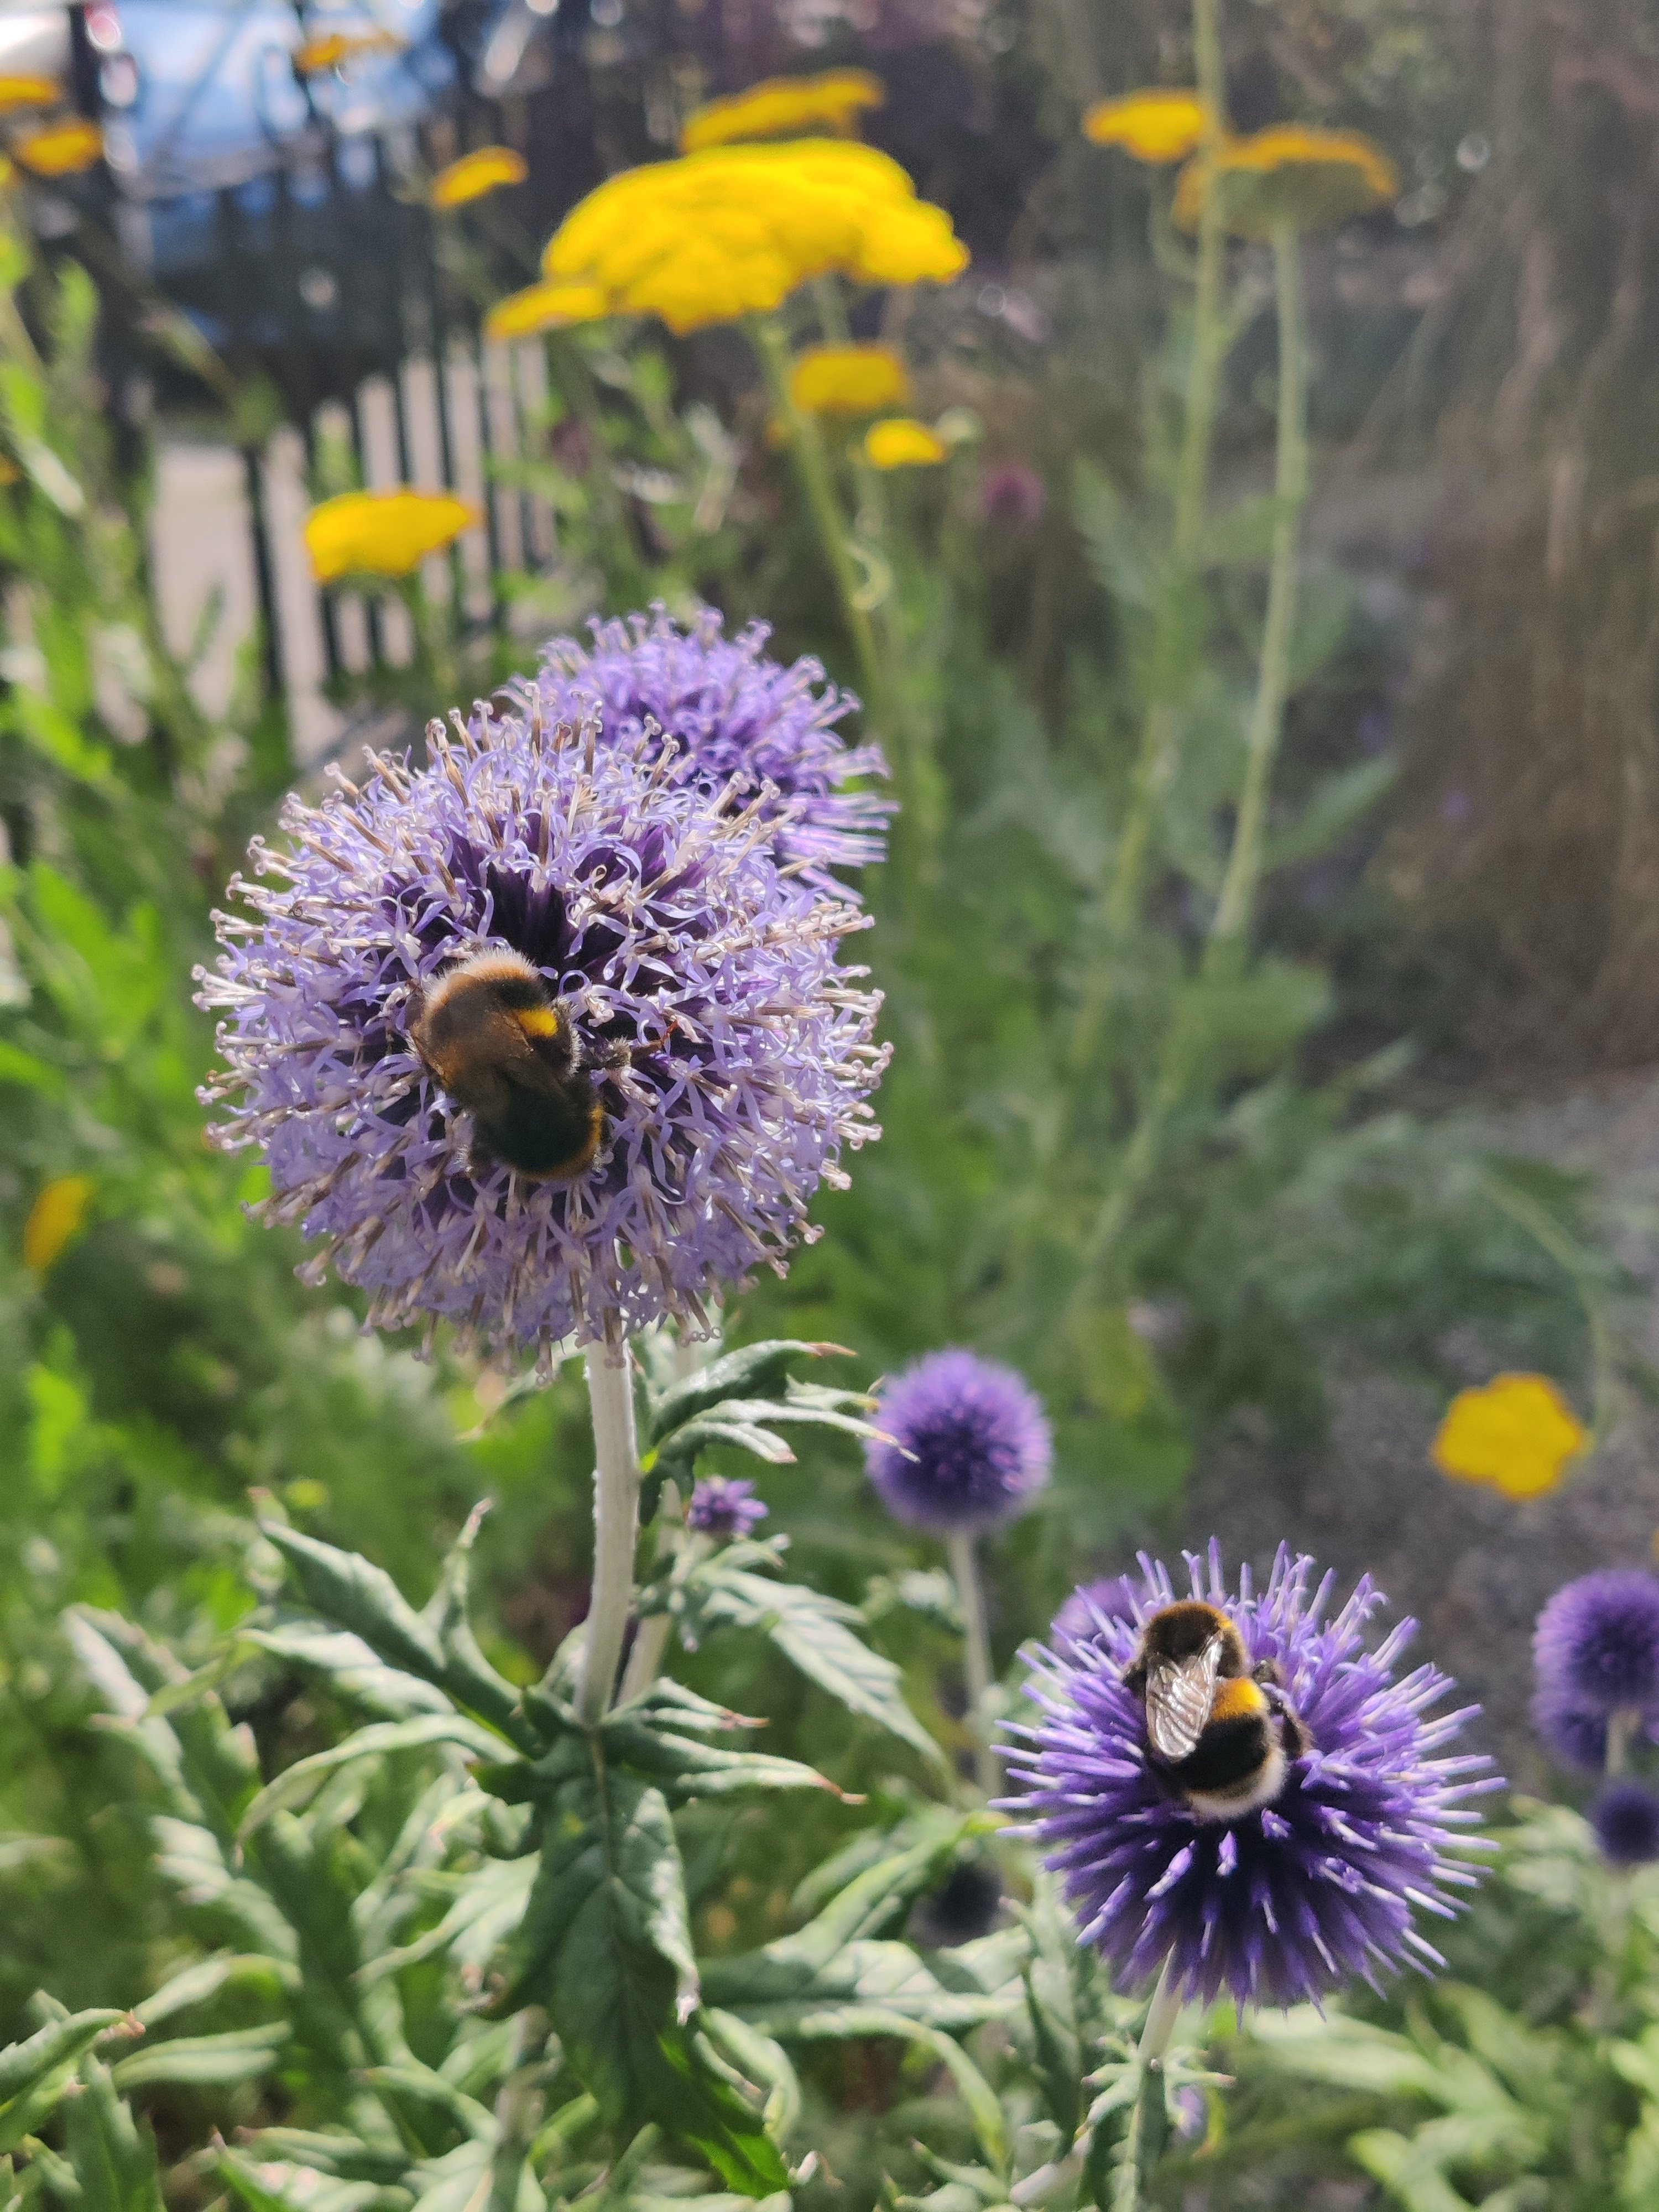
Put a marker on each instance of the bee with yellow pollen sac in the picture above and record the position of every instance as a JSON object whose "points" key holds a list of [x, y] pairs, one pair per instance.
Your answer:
{"points": [[1224, 1733], [492, 1036]]}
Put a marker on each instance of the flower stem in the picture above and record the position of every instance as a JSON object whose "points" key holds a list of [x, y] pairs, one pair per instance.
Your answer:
{"points": [[1149, 2119], [615, 1524], [1159, 754], [975, 1657], [1229, 925], [1232, 914], [1622, 1725]]}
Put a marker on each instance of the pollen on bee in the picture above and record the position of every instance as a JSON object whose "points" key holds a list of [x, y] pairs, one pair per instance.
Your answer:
{"points": [[537, 1021]]}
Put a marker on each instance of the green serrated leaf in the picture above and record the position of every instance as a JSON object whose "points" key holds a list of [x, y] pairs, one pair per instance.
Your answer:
{"points": [[814, 1633], [297, 1785], [606, 1944], [242, 2054]]}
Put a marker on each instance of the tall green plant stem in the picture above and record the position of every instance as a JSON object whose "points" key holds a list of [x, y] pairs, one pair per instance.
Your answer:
{"points": [[1230, 923], [1159, 754], [615, 1524], [917, 801], [1149, 2124], [960, 1550]]}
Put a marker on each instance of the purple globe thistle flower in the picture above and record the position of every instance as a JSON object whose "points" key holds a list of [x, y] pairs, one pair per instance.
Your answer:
{"points": [[1625, 1818], [730, 1056], [968, 1442], [724, 1508], [1092, 1607], [1289, 1900], [1596, 1644], [743, 722]]}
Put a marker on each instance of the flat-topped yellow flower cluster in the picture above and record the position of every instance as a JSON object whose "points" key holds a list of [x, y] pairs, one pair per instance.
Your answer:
{"points": [[784, 108], [731, 232]]}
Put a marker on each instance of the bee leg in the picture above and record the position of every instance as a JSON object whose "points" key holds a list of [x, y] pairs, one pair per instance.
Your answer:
{"points": [[613, 1055], [1135, 1678], [1268, 1673]]}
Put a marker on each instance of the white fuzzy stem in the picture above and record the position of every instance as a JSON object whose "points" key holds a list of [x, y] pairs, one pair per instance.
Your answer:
{"points": [[975, 1657], [615, 1524], [1161, 2018]]}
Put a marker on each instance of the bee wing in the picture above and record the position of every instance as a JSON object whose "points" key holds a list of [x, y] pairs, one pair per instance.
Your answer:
{"points": [[1179, 1695]]}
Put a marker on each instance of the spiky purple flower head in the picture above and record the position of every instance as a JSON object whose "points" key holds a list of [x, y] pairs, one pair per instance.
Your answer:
{"points": [[1625, 1818], [741, 720], [736, 1056], [969, 1443], [725, 1507], [1596, 1644], [1290, 1901]]}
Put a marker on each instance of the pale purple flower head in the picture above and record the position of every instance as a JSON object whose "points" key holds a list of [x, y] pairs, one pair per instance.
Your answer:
{"points": [[1288, 1901], [1597, 1644], [969, 1444], [743, 722], [1625, 1818], [724, 1507], [730, 1055]]}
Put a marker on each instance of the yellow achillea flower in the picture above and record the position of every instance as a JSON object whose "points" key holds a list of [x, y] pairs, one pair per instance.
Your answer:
{"points": [[901, 442], [382, 533], [730, 232], [549, 306], [849, 380], [62, 149], [1158, 125], [784, 108], [336, 48], [29, 92], [55, 1216], [1311, 179], [486, 169], [1516, 1433]]}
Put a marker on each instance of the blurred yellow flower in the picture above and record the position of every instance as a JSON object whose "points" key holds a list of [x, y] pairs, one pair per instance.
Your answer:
{"points": [[336, 48], [1158, 125], [61, 149], [849, 380], [7, 174], [29, 92], [55, 1216], [730, 232], [549, 306], [784, 108], [1311, 179], [486, 169], [901, 442], [1516, 1433], [383, 533]]}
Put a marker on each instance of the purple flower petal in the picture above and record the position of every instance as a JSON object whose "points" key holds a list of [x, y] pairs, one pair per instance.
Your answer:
{"points": [[724, 1507]]}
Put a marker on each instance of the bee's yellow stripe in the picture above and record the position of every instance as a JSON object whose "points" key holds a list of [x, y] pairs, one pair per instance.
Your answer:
{"points": [[1236, 1700], [538, 1021]]}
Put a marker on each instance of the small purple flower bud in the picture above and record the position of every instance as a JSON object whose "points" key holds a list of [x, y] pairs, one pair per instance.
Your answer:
{"points": [[970, 1444], [724, 1507], [1012, 493], [1625, 1818], [1597, 1644]]}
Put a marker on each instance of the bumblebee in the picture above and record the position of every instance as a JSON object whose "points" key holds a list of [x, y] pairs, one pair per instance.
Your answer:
{"points": [[491, 1035], [1223, 1732]]}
